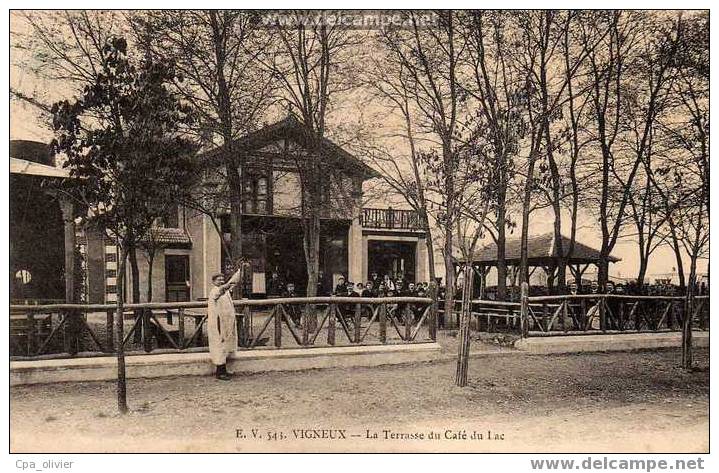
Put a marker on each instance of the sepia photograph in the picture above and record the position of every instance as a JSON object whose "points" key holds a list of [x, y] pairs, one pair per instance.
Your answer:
{"points": [[359, 231]]}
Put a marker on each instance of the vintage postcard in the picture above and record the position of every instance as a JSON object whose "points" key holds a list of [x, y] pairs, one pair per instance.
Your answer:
{"points": [[360, 231]]}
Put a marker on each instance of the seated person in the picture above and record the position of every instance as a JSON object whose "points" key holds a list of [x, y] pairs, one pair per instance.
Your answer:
{"points": [[293, 310], [375, 279], [340, 288], [411, 290], [400, 286], [388, 283], [369, 290], [275, 288], [356, 290]]}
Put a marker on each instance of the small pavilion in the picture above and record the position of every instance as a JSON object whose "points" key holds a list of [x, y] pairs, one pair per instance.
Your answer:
{"points": [[541, 253]]}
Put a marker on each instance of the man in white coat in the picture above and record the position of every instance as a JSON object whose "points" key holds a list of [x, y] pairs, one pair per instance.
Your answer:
{"points": [[221, 325]]}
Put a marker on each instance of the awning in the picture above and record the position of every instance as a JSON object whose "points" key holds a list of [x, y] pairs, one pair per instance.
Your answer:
{"points": [[22, 166]]}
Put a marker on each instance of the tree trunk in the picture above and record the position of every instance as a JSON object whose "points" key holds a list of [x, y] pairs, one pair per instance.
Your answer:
{"points": [[312, 251], [135, 275], [602, 271], [643, 263], [430, 251], [449, 278], [678, 256], [526, 205], [119, 334], [464, 327], [687, 355], [501, 253], [235, 182]]}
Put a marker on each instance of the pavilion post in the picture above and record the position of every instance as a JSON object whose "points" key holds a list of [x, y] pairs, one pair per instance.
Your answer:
{"points": [[482, 281]]}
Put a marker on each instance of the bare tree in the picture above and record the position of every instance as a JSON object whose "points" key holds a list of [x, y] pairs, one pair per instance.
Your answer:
{"points": [[405, 175], [310, 66], [215, 53], [629, 50], [500, 94], [688, 167], [432, 59]]}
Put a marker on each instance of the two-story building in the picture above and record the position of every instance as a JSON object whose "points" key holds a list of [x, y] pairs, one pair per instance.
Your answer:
{"points": [[354, 241]]}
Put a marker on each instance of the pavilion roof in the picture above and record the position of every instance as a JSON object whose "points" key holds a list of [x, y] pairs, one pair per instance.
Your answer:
{"points": [[540, 251]]}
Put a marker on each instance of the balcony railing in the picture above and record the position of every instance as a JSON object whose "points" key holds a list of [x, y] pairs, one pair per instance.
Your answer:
{"points": [[390, 219]]}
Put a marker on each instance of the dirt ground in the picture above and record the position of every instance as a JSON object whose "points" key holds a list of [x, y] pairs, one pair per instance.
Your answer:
{"points": [[613, 402]]}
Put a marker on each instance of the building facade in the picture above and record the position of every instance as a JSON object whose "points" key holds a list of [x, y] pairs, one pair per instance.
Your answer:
{"points": [[355, 241]]}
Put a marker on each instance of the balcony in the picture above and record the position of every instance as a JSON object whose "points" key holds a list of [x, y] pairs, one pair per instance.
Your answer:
{"points": [[390, 219]]}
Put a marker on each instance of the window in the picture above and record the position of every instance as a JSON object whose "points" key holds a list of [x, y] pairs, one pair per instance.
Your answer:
{"points": [[255, 195], [172, 218]]}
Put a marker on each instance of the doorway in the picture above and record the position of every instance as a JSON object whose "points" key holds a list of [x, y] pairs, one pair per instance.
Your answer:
{"points": [[177, 278], [391, 257]]}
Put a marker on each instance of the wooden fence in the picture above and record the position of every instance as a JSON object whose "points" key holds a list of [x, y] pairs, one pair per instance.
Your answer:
{"points": [[581, 314], [66, 330]]}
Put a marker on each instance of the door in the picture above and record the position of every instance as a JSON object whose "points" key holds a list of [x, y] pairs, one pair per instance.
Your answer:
{"points": [[177, 278], [393, 258]]}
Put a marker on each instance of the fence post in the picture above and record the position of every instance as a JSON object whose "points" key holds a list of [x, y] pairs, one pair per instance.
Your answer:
{"points": [[408, 322], [198, 338], [31, 335], [146, 331], [331, 324], [383, 323], [433, 313], [305, 316], [524, 310], [358, 322], [72, 331], [181, 327], [602, 312], [278, 325], [109, 328]]}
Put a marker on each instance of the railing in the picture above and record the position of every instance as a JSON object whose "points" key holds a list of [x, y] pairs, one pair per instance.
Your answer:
{"points": [[611, 313], [68, 330], [390, 219], [581, 314]]}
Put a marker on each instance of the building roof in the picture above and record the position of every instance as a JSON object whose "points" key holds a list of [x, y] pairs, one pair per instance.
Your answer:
{"points": [[22, 166], [171, 236], [292, 128], [540, 250]]}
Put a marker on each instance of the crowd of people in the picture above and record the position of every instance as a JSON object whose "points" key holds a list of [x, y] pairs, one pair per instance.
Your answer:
{"points": [[386, 286], [572, 288]]}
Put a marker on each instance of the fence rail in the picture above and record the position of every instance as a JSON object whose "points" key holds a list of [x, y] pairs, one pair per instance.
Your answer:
{"points": [[67, 330], [582, 314]]}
